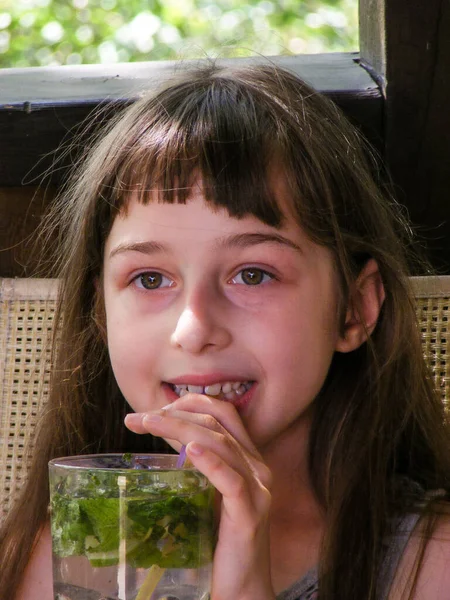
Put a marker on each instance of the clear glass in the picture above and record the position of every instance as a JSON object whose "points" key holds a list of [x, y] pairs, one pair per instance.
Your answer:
{"points": [[130, 527]]}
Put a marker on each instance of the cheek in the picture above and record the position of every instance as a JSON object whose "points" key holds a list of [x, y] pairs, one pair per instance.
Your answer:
{"points": [[133, 360], [131, 348], [124, 333], [299, 343]]}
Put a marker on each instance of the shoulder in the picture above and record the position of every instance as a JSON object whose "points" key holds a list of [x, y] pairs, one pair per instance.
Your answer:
{"points": [[429, 547], [37, 583]]}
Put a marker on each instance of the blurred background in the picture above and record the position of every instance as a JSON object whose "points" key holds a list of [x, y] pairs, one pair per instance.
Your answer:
{"points": [[70, 32]]}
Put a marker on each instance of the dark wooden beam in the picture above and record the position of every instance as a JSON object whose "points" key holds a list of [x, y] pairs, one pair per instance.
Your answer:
{"points": [[41, 107], [406, 47], [21, 211]]}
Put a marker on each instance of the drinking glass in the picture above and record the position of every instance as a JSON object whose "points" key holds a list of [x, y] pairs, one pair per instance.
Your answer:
{"points": [[130, 527]]}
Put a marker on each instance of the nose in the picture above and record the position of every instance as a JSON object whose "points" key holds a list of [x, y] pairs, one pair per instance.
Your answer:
{"points": [[200, 326]]}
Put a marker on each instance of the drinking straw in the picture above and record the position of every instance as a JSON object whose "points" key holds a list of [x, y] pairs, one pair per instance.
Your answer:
{"points": [[181, 457], [156, 572], [150, 582]]}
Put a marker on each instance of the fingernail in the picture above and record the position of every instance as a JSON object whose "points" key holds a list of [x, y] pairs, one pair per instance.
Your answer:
{"points": [[133, 418], [194, 448], [153, 417]]}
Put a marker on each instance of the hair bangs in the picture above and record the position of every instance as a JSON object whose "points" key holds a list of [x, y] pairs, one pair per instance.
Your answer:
{"points": [[216, 136]]}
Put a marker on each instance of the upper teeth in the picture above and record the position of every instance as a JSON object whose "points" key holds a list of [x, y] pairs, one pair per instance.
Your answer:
{"points": [[228, 387]]}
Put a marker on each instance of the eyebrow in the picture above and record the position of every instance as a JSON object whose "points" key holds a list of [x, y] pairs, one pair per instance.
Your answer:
{"points": [[246, 240], [239, 240], [142, 247]]}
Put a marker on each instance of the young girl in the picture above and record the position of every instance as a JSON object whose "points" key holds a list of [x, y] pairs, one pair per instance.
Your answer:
{"points": [[233, 280]]}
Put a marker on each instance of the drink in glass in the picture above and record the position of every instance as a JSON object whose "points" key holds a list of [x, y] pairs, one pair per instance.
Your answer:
{"points": [[130, 527]]}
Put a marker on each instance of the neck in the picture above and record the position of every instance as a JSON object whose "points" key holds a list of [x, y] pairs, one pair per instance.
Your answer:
{"points": [[287, 459], [296, 519]]}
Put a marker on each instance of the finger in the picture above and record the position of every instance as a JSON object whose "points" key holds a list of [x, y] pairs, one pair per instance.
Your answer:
{"points": [[138, 422], [243, 500], [204, 429], [224, 412], [212, 420], [134, 422], [227, 415]]}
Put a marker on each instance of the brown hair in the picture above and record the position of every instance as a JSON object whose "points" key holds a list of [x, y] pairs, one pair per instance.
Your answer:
{"points": [[377, 419]]}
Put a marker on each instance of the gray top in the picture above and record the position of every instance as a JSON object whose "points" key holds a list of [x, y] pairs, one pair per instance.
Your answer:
{"points": [[306, 588]]}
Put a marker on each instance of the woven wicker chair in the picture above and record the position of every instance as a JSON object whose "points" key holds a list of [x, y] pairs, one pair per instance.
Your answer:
{"points": [[27, 309], [433, 312]]}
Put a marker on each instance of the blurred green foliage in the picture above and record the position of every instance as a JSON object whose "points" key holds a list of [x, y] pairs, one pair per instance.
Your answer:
{"points": [[57, 32]]}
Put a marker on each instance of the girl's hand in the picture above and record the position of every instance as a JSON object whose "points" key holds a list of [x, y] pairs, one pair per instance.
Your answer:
{"points": [[218, 445]]}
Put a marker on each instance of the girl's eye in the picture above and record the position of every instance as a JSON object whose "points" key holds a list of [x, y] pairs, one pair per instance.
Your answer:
{"points": [[152, 280], [252, 276]]}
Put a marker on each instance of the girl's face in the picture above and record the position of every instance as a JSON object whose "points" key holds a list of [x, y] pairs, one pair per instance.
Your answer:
{"points": [[195, 297]]}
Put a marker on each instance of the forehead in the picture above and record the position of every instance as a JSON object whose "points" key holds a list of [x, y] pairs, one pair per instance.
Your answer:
{"points": [[196, 221]]}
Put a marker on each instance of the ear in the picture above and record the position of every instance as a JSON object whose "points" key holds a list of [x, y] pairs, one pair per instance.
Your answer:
{"points": [[364, 304]]}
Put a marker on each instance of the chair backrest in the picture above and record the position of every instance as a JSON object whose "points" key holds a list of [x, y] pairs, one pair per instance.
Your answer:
{"points": [[433, 312], [27, 308]]}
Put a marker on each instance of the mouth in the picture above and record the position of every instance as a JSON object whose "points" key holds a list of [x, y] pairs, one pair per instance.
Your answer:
{"points": [[235, 392]]}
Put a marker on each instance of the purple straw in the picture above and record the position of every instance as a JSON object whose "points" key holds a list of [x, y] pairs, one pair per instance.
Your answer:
{"points": [[181, 457]]}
